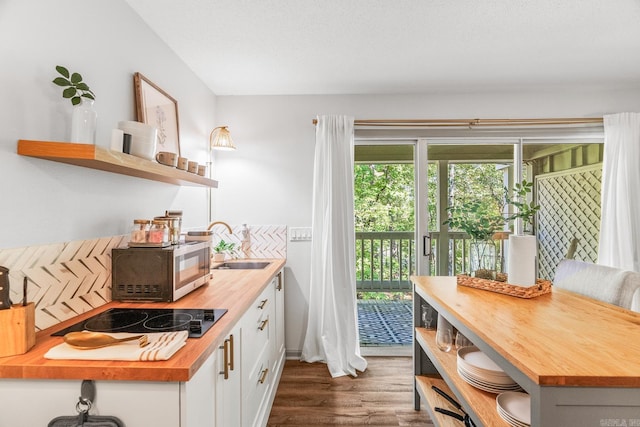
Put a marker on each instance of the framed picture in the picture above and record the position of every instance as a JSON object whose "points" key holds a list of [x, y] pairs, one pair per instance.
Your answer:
{"points": [[157, 108]]}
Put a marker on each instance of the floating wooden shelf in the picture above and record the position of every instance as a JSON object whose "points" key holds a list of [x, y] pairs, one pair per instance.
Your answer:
{"points": [[94, 157]]}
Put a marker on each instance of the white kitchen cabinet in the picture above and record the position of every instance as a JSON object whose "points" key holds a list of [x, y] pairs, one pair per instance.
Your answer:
{"points": [[35, 402], [199, 396], [136, 403], [263, 353], [207, 399], [257, 326], [228, 393]]}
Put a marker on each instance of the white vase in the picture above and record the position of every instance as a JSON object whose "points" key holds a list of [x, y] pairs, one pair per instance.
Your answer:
{"points": [[83, 122]]}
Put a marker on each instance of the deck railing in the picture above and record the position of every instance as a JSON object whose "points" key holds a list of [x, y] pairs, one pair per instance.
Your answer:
{"points": [[385, 260]]}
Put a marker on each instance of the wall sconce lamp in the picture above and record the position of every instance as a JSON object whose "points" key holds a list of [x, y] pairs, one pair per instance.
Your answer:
{"points": [[221, 140]]}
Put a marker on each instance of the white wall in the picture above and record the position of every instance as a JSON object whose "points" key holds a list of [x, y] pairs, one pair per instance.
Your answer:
{"points": [[269, 178], [104, 40]]}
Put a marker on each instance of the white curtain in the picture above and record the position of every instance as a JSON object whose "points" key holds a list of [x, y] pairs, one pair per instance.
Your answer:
{"points": [[620, 222], [332, 328]]}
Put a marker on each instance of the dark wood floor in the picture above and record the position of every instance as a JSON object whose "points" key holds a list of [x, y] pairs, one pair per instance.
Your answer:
{"points": [[380, 396]]}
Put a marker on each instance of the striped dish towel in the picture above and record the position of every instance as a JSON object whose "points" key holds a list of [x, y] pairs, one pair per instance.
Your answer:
{"points": [[162, 345]]}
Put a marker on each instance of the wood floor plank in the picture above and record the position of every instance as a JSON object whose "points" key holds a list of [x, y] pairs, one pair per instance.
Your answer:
{"points": [[381, 396]]}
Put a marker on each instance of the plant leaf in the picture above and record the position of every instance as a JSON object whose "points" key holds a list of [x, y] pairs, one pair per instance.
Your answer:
{"points": [[61, 81], [62, 70], [76, 78], [69, 92], [76, 100], [88, 95], [82, 86]]}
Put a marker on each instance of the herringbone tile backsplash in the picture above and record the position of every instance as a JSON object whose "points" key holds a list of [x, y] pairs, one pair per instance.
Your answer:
{"points": [[67, 279]]}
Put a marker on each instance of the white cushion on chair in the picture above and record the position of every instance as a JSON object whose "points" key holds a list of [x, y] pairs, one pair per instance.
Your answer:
{"points": [[635, 301], [600, 282]]}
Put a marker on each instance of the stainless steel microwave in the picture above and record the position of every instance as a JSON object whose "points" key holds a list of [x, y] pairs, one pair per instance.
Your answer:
{"points": [[159, 274]]}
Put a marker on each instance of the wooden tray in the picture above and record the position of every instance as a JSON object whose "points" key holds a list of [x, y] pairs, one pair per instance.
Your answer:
{"points": [[540, 288]]}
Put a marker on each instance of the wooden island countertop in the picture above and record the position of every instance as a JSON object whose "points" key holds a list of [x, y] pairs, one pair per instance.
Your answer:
{"points": [[234, 290], [557, 339]]}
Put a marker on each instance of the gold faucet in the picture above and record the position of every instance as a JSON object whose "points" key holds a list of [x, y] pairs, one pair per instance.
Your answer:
{"points": [[220, 222]]}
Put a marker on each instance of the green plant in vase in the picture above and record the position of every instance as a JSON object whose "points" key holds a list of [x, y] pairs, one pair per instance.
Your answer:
{"points": [[481, 219], [480, 222], [84, 118]]}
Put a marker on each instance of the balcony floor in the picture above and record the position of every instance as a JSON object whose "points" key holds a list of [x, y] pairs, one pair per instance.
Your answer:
{"points": [[385, 322]]}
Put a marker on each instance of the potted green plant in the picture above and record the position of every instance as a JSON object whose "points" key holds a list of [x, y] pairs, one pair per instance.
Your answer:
{"points": [[222, 249], [481, 220]]}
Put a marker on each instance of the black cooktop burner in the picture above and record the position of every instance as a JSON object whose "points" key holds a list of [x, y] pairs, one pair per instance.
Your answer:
{"points": [[140, 320]]}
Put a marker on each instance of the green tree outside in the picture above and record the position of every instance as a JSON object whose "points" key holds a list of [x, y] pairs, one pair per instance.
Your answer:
{"points": [[384, 202]]}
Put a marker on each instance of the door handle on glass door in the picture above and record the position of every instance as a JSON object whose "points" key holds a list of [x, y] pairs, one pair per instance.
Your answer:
{"points": [[426, 246]]}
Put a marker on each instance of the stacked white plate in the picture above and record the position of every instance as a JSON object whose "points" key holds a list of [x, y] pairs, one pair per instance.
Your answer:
{"points": [[515, 408], [481, 372]]}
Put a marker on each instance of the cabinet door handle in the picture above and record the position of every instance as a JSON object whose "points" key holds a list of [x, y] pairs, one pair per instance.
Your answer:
{"points": [[263, 304], [225, 359], [231, 358], [263, 376], [263, 324], [279, 287]]}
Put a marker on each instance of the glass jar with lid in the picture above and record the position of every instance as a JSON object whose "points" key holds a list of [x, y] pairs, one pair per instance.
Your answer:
{"points": [[172, 223], [139, 231], [159, 232]]}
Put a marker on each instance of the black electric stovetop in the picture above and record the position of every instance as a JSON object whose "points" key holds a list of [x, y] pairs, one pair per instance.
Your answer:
{"points": [[147, 320]]}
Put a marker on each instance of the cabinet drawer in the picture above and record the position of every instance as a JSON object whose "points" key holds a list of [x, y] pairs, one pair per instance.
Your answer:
{"points": [[257, 327], [255, 390], [255, 338]]}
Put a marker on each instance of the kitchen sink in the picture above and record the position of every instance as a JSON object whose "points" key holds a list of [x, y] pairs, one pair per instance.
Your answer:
{"points": [[242, 265]]}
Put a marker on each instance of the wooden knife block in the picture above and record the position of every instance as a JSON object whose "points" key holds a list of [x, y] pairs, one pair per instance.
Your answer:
{"points": [[18, 329]]}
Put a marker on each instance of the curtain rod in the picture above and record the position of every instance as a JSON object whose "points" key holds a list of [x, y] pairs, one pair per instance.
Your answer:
{"points": [[470, 123]]}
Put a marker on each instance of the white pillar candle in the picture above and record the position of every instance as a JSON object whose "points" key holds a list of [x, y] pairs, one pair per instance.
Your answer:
{"points": [[523, 257]]}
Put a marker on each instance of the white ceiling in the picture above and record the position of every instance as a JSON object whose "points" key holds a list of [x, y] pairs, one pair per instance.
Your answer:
{"points": [[260, 47]]}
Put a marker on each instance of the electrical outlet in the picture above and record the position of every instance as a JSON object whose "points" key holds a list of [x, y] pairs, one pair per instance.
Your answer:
{"points": [[299, 234]]}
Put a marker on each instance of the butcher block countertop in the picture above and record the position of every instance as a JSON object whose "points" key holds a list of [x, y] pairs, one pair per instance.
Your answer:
{"points": [[234, 290], [556, 339]]}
